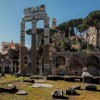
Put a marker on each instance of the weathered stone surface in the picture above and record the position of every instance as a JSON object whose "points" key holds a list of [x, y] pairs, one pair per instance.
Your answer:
{"points": [[33, 49], [36, 77], [33, 14], [38, 85], [57, 93], [0, 89], [71, 91], [18, 74], [9, 88], [96, 80], [77, 87], [39, 81], [90, 87], [87, 79], [21, 92], [29, 80], [51, 77], [73, 78], [86, 74], [67, 78], [22, 48], [60, 77]]}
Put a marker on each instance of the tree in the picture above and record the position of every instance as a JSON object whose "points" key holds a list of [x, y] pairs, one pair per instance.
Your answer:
{"points": [[69, 26], [82, 27], [63, 28], [93, 19], [75, 22], [66, 45]]}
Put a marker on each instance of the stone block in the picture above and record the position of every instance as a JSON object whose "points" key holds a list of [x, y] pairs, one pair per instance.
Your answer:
{"points": [[55, 78], [21, 92], [71, 91], [18, 74], [96, 80], [36, 77], [57, 93], [87, 79], [9, 88], [67, 78], [90, 87], [29, 80], [77, 87], [60, 77]]}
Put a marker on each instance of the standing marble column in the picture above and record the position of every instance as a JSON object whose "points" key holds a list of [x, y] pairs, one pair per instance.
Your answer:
{"points": [[46, 46], [22, 48], [33, 49]]}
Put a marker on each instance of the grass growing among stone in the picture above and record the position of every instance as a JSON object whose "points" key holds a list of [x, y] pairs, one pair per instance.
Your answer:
{"points": [[44, 93]]}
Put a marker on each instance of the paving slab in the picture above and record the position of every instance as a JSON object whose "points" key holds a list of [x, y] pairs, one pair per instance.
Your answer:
{"points": [[21, 92], [38, 85], [39, 81]]}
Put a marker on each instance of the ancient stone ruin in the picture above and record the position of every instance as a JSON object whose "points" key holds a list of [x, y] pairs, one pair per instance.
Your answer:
{"points": [[33, 14]]}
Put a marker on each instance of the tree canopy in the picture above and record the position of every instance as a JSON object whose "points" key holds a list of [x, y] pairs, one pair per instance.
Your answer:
{"points": [[82, 24], [69, 26], [93, 19], [74, 22]]}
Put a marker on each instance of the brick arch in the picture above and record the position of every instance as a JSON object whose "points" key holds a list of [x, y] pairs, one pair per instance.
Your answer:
{"points": [[92, 63], [75, 67], [60, 60], [92, 58]]}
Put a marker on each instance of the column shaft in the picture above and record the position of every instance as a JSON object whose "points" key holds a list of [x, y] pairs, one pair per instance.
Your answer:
{"points": [[22, 48], [33, 49], [46, 46]]}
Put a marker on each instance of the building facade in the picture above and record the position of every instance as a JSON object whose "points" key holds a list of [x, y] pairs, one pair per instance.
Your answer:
{"points": [[68, 63]]}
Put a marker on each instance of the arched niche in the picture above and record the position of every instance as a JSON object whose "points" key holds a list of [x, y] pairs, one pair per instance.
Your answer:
{"points": [[75, 67], [92, 63], [60, 60]]}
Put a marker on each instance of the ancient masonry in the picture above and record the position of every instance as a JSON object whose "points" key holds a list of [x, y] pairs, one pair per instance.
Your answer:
{"points": [[32, 15]]}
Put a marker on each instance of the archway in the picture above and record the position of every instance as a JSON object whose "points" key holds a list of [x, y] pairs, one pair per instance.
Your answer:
{"points": [[60, 60], [75, 67], [92, 63]]}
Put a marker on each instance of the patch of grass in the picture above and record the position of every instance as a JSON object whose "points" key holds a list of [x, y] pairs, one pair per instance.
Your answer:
{"points": [[45, 93]]}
